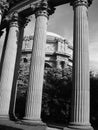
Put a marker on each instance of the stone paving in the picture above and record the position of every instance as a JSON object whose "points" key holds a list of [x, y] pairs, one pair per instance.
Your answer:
{"points": [[11, 125]]}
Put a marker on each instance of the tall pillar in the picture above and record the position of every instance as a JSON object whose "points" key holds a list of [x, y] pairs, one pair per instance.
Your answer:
{"points": [[0, 16], [3, 6], [8, 67], [22, 23], [34, 95], [80, 114]]}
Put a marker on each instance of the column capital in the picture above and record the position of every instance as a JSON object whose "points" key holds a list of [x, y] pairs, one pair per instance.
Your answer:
{"points": [[86, 3], [4, 5], [43, 9], [16, 20], [13, 19]]}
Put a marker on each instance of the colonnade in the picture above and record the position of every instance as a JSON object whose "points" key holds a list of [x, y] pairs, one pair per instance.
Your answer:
{"points": [[80, 94]]}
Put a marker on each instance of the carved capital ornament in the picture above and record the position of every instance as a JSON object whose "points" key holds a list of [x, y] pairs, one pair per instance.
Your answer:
{"points": [[43, 9], [13, 19], [16, 20], [4, 5], [86, 3]]}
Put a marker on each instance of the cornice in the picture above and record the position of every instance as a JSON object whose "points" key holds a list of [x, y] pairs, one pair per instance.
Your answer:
{"points": [[61, 54], [25, 5], [54, 2], [13, 2]]}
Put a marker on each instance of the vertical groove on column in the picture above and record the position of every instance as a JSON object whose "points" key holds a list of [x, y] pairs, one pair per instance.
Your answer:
{"points": [[8, 71], [80, 93], [34, 95]]}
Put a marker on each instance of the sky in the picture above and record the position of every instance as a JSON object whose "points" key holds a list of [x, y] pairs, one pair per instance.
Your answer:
{"points": [[61, 22]]}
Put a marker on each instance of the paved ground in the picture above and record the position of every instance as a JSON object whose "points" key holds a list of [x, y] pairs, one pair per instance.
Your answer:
{"points": [[10, 125]]}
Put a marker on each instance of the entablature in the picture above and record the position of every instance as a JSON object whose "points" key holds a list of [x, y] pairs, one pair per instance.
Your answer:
{"points": [[25, 6]]}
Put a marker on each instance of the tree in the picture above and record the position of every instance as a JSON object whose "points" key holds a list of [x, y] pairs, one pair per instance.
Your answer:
{"points": [[94, 99], [57, 95]]}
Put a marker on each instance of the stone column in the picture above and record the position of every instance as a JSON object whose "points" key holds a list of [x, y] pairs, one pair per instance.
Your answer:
{"points": [[22, 24], [80, 114], [34, 95], [3, 7], [8, 67]]}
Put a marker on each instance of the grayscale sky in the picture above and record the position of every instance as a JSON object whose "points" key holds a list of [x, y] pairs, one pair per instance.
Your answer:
{"points": [[61, 22]]}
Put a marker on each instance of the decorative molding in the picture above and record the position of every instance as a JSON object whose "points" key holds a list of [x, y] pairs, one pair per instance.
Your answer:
{"points": [[14, 2], [16, 20], [13, 19], [4, 5], [23, 6], [86, 3], [43, 9]]}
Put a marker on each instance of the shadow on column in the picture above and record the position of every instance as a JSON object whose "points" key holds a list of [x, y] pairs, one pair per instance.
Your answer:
{"points": [[3, 51], [14, 87]]}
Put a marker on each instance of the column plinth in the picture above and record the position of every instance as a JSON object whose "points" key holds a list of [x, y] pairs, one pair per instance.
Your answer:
{"points": [[80, 114], [8, 68]]}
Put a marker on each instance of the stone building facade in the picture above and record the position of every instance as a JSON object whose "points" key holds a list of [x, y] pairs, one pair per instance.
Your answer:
{"points": [[58, 51], [58, 54]]}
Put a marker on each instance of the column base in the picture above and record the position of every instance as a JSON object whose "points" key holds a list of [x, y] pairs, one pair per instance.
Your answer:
{"points": [[77, 126], [3, 117], [33, 122]]}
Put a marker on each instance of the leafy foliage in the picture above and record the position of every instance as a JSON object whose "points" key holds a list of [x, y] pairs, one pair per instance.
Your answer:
{"points": [[94, 100], [56, 95]]}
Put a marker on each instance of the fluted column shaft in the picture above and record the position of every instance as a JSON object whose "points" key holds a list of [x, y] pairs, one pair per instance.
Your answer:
{"points": [[34, 95], [8, 67], [80, 116]]}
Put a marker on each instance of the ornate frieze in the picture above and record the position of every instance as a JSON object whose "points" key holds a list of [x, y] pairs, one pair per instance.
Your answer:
{"points": [[4, 5], [86, 3]]}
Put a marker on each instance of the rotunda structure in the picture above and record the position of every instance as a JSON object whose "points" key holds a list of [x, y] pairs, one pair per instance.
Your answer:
{"points": [[58, 51]]}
